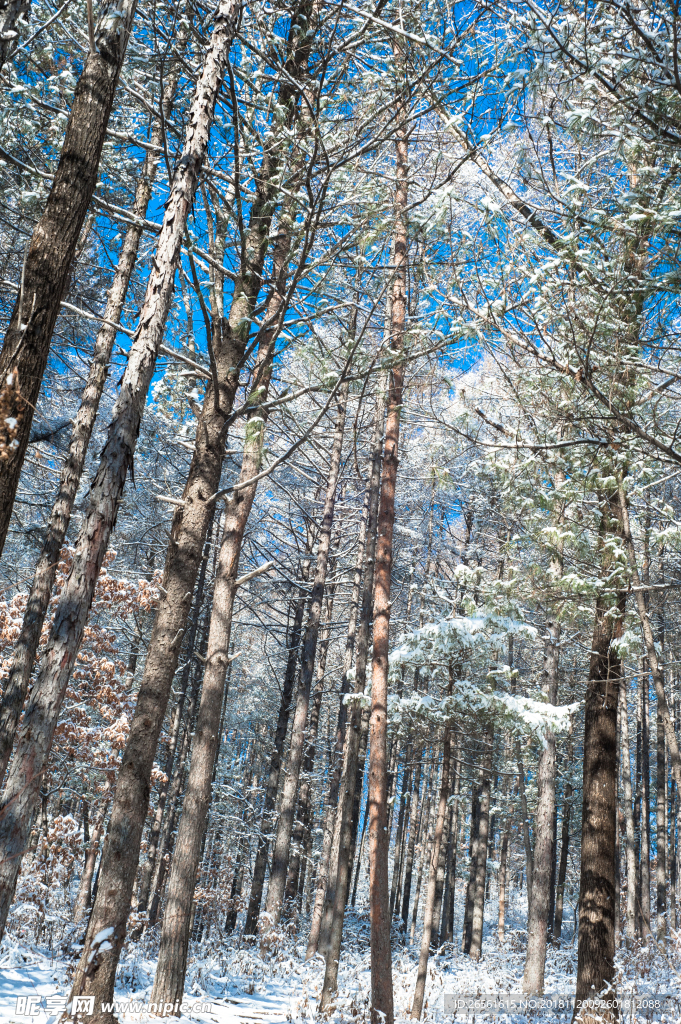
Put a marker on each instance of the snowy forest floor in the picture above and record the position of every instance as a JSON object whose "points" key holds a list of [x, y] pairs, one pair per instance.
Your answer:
{"points": [[230, 982]]}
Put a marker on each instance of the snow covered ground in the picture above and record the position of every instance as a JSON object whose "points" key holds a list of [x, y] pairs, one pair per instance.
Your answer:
{"points": [[232, 983]]}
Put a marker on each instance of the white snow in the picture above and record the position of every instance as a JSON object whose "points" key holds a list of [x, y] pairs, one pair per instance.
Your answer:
{"points": [[242, 986]]}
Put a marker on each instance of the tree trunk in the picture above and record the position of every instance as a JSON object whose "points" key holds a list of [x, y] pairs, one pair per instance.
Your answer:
{"points": [[562, 868], [11, 12], [400, 835], [359, 857], [382, 1011], [483, 838], [630, 849], [415, 810], [233, 913], [85, 887], [440, 877], [661, 833], [50, 254], [503, 867], [176, 788], [473, 856], [269, 802], [155, 832], [42, 713], [420, 990], [596, 947], [23, 657], [529, 859], [301, 825], [172, 962], [280, 854], [539, 913], [447, 930], [424, 848], [644, 867], [345, 823], [333, 807]]}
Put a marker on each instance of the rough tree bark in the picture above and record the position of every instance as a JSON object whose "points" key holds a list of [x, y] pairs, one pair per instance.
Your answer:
{"points": [[596, 946], [562, 868], [341, 730], [347, 813], [148, 868], [415, 810], [23, 656], [539, 907], [40, 720], [630, 849], [420, 990], [280, 854], [52, 248], [447, 928], [42, 713], [483, 841], [503, 868], [301, 828], [85, 887], [473, 857], [260, 865], [382, 1011]]}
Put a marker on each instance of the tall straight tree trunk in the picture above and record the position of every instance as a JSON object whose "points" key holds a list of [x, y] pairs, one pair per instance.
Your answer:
{"points": [[596, 946], [562, 867], [42, 713], [424, 847], [52, 249], [420, 990], [171, 968], [269, 802], [280, 853], [441, 868], [503, 870], [473, 857], [333, 807], [529, 858], [230, 344], [630, 924], [176, 787], [539, 914], [23, 657], [149, 865], [637, 810], [447, 929], [483, 841], [644, 867], [85, 888], [301, 825], [415, 809], [661, 833], [382, 1011], [342, 842], [400, 835]]}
